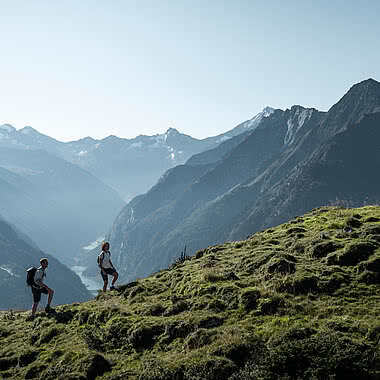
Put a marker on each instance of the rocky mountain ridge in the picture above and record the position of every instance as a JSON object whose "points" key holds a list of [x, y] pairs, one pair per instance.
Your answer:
{"points": [[258, 183]]}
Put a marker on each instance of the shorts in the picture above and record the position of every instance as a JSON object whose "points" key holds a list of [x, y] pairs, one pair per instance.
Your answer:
{"points": [[109, 271], [37, 293]]}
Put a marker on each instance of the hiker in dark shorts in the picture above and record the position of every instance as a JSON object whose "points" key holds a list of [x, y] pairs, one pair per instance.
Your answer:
{"points": [[106, 266], [39, 287]]}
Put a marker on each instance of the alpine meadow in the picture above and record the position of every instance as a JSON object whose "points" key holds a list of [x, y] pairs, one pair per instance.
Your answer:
{"points": [[190, 190]]}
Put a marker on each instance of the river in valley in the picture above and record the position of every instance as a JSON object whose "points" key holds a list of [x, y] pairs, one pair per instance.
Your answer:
{"points": [[93, 284]]}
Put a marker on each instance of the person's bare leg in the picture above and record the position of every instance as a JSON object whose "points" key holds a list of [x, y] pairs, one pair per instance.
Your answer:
{"points": [[105, 286], [34, 308], [115, 276], [50, 296]]}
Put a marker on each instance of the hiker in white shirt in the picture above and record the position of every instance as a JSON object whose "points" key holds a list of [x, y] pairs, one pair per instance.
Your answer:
{"points": [[106, 266], [39, 287]]}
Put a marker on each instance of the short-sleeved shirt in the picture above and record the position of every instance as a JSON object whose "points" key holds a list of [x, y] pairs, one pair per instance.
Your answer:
{"points": [[106, 256], [39, 276]]}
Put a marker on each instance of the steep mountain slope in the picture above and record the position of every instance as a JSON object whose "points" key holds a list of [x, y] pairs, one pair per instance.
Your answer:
{"points": [[130, 166], [150, 243], [298, 301], [61, 206], [18, 254], [260, 182], [344, 170]]}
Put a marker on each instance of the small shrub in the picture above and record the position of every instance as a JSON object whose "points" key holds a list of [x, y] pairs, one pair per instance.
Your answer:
{"points": [[370, 278], [48, 335], [372, 219], [94, 338], [281, 265], [133, 292], [177, 308], [356, 252], [179, 260], [155, 369], [371, 265], [353, 223], [176, 330], [7, 363], [155, 310], [323, 249], [199, 338], [248, 298], [95, 364], [213, 368], [27, 358], [143, 335], [4, 332], [217, 305], [299, 285], [295, 230], [83, 317], [210, 322], [35, 371], [270, 306], [115, 333], [199, 254], [333, 283]]}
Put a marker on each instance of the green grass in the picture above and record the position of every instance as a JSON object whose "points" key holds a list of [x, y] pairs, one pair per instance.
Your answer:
{"points": [[297, 301]]}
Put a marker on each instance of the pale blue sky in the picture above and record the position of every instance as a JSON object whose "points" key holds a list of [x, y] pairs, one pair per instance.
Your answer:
{"points": [[76, 68]]}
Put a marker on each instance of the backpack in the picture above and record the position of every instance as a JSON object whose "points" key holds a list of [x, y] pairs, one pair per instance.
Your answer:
{"points": [[98, 259], [30, 273]]}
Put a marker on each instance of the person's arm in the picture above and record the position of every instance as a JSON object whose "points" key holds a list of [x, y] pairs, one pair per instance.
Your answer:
{"points": [[112, 265], [101, 262], [41, 284]]}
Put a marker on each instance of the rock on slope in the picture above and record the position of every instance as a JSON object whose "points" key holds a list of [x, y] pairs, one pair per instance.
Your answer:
{"points": [[297, 301]]}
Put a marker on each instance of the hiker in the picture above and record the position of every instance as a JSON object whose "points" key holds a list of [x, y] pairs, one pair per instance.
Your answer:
{"points": [[106, 266], [39, 288]]}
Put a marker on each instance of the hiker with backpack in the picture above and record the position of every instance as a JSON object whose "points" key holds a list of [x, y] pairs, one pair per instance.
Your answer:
{"points": [[106, 266], [35, 279]]}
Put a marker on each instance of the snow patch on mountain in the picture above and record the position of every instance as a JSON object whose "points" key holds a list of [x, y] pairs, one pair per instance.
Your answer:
{"points": [[295, 122], [7, 269], [94, 244], [254, 122]]}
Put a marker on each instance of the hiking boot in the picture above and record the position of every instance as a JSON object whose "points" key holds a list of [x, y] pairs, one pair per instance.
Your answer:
{"points": [[112, 288], [30, 318], [49, 309]]}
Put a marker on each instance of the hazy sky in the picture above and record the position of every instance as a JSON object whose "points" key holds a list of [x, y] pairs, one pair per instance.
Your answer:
{"points": [[76, 68]]}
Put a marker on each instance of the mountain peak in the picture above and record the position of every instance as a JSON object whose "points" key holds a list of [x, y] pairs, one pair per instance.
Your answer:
{"points": [[365, 86], [7, 127], [171, 131], [267, 110], [28, 130]]}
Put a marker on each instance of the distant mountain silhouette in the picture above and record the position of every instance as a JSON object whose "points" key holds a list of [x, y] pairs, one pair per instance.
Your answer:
{"points": [[130, 166]]}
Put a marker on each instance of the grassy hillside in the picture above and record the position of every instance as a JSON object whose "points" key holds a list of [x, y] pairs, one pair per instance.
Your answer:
{"points": [[298, 301]]}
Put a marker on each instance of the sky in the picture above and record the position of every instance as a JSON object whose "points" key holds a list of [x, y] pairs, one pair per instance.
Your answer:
{"points": [[72, 69]]}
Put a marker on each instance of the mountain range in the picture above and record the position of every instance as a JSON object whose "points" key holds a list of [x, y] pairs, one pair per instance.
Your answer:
{"points": [[129, 166], [292, 161]]}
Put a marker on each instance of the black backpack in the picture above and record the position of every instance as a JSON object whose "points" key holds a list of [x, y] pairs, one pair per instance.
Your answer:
{"points": [[30, 273]]}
